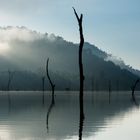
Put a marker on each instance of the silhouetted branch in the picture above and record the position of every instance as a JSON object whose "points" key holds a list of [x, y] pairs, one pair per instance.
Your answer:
{"points": [[43, 85], [43, 82], [79, 19], [10, 77], [42, 73], [109, 89], [133, 90], [51, 83]]}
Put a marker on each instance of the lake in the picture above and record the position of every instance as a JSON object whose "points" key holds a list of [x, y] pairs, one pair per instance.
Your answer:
{"points": [[24, 116]]}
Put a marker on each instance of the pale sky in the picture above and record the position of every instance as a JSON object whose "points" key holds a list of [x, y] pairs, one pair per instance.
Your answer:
{"points": [[112, 25]]}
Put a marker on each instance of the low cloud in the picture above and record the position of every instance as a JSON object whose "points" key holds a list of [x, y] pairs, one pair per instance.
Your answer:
{"points": [[9, 33], [29, 49], [116, 60]]}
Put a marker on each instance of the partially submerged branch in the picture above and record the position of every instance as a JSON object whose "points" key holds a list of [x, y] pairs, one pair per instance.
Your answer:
{"points": [[43, 88], [10, 78], [51, 83], [133, 90], [109, 89], [42, 73]]}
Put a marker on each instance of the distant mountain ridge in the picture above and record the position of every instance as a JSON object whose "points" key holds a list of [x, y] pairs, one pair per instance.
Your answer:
{"points": [[109, 57], [28, 51]]}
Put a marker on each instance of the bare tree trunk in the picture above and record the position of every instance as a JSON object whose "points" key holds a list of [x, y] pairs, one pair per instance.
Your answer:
{"points": [[133, 90], [43, 82], [10, 77], [79, 19], [109, 90], [51, 83]]}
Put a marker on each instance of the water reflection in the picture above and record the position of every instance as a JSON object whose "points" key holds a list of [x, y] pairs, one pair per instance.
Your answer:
{"points": [[82, 116], [9, 101], [27, 118], [43, 101], [48, 113], [135, 101], [81, 122]]}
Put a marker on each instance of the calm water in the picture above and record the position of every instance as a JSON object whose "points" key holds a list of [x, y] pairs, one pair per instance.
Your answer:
{"points": [[24, 117]]}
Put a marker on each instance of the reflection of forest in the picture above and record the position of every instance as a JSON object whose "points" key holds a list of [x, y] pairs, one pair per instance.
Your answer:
{"points": [[27, 117]]}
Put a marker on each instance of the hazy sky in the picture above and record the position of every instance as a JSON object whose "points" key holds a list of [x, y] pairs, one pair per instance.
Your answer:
{"points": [[112, 25]]}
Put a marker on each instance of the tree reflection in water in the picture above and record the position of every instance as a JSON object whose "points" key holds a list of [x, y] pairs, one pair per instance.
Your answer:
{"points": [[81, 123], [48, 113]]}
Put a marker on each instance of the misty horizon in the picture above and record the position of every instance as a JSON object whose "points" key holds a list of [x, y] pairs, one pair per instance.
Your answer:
{"points": [[22, 33]]}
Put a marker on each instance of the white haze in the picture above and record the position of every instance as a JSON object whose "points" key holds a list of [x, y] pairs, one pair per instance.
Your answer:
{"points": [[116, 60], [21, 48], [28, 50], [9, 33]]}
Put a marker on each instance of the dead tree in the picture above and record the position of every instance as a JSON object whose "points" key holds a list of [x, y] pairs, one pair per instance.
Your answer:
{"points": [[79, 19], [10, 78], [51, 83], [109, 90], [41, 72], [43, 85], [133, 89]]}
